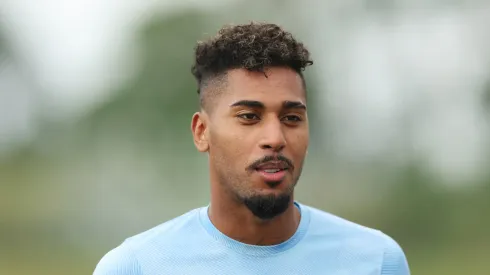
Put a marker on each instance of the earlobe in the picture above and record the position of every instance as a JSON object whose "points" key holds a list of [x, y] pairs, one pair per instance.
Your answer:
{"points": [[199, 128]]}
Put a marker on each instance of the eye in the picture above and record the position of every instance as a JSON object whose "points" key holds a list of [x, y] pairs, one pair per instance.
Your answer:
{"points": [[248, 117], [292, 118]]}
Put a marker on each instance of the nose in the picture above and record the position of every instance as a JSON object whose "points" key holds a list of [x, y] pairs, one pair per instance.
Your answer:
{"points": [[273, 137]]}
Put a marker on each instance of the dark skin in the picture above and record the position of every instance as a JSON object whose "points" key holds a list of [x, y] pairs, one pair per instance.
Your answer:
{"points": [[253, 116]]}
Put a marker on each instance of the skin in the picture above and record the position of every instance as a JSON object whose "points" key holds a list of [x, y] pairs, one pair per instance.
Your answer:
{"points": [[254, 116]]}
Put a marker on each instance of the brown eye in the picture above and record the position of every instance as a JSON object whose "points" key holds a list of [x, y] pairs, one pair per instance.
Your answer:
{"points": [[248, 116], [292, 118]]}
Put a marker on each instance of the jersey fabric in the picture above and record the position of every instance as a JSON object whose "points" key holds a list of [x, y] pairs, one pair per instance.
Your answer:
{"points": [[192, 245]]}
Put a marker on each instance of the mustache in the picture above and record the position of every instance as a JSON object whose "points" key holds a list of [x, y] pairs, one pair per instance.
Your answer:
{"points": [[266, 159]]}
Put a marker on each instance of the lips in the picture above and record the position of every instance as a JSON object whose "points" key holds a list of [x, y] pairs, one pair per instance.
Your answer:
{"points": [[273, 171], [272, 166]]}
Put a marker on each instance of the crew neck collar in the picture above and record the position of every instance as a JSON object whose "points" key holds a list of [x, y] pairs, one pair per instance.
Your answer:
{"points": [[257, 250]]}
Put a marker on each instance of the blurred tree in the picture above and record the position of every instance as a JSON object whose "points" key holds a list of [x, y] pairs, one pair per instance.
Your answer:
{"points": [[485, 99], [155, 109], [3, 47]]}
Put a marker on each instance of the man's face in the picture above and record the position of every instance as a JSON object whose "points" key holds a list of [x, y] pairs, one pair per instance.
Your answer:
{"points": [[257, 137]]}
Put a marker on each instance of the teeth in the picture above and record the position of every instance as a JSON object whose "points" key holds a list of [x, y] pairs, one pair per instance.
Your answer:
{"points": [[272, 170]]}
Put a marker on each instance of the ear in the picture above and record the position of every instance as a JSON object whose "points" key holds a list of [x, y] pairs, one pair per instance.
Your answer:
{"points": [[199, 130]]}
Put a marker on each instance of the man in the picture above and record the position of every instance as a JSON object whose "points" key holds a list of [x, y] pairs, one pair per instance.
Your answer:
{"points": [[253, 125]]}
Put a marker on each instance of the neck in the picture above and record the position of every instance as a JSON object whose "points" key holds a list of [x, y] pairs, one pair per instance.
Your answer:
{"points": [[236, 221]]}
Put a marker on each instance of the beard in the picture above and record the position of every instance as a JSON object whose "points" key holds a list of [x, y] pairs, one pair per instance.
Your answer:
{"points": [[263, 206], [266, 207]]}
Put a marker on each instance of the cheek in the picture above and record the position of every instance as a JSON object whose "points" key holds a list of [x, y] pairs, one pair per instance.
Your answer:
{"points": [[299, 142], [224, 145], [233, 148]]}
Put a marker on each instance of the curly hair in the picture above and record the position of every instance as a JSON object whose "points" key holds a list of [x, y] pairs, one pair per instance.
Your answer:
{"points": [[254, 46]]}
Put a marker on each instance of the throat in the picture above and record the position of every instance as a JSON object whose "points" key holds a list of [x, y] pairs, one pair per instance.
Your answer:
{"points": [[263, 240], [246, 228]]}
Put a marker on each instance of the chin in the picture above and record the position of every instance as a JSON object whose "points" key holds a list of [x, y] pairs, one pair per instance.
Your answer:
{"points": [[268, 205], [274, 192], [284, 186]]}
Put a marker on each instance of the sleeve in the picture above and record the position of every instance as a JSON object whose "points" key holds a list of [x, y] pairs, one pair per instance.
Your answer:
{"points": [[394, 260], [119, 261]]}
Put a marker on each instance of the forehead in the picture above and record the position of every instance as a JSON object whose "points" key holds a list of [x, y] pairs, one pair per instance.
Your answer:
{"points": [[274, 87]]}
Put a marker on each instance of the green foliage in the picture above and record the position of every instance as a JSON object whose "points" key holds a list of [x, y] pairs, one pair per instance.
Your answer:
{"points": [[156, 108]]}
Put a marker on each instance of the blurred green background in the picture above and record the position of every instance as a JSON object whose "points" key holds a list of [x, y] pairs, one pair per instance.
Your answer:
{"points": [[96, 100]]}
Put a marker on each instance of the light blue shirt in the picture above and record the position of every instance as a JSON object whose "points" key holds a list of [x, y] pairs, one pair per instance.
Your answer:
{"points": [[322, 244]]}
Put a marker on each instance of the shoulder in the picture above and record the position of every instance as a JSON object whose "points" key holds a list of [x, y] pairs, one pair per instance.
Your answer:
{"points": [[326, 224], [394, 259], [168, 231], [359, 238], [119, 261], [128, 257]]}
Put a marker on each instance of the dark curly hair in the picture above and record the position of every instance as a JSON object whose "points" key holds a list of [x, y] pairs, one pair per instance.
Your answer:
{"points": [[254, 46]]}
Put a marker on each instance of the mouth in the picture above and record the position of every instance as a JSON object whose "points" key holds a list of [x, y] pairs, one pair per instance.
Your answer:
{"points": [[270, 171], [272, 166], [273, 173]]}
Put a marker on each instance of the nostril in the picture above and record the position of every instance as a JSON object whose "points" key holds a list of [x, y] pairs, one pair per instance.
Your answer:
{"points": [[272, 147]]}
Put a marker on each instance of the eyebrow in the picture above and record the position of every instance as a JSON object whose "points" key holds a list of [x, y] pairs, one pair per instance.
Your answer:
{"points": [[293, 105], [248, 103], [260, 105]]}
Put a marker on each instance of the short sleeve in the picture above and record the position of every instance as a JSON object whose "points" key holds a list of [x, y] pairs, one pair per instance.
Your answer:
{"points": [[119, 261], [394, 259]]}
